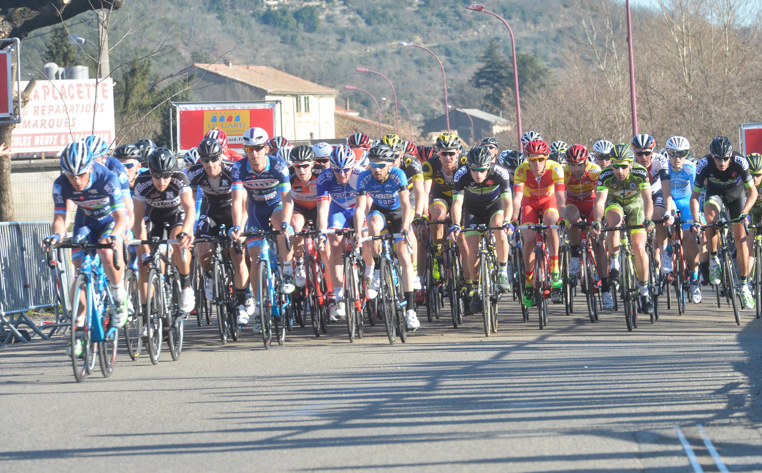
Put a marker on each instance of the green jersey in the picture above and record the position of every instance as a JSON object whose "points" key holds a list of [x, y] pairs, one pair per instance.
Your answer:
{"points": [[627, 191]]}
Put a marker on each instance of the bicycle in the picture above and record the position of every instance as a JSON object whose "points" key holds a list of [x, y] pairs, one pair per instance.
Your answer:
{"points": [[274, 305], [590, 281], [628, 276], [541, 281], [134, 326], [354, 286], [316, 291], [568, 290], [729, 284], [434, 286], [757, 279], [222, 278], [203, 305], [489, 292], [91, 297], [679, 278], [453, 279], [518, 279]]}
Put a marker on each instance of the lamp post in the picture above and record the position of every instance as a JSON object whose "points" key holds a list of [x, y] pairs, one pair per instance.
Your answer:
{"points": [[469, 119], [409, 118], [378, 108], [632, 74], [481, 8], [396, 110], [444, 77]]}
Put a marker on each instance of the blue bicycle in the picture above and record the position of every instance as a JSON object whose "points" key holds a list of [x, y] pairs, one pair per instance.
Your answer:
{"points": [[92, 304]]}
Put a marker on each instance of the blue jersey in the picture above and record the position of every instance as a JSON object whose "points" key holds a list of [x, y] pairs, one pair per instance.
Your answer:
{"points": [[115, 166], [384, 194], [344, 196], [264, 188], [681, 182], [101, 196]]}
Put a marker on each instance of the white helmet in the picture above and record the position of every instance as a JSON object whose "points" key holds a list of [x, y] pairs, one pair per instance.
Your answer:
{"points": [[603, 147], [322, 150], [678, 145], [255, 137], [284, 154], [530, 136]]}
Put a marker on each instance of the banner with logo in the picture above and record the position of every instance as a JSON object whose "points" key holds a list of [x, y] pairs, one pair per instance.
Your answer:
{"points": [[751, 137], [194, 120], [6, 84], [61, 111]]}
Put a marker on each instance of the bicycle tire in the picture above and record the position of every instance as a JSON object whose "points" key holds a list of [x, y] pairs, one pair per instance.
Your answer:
{"points": [[459, 282], [453, 293], [758, 278], [174, 319], [683, 280], [730, 277], [221, 301], [154, 314], [234, 330], [565, 277], [107, 347], [386, 292], [654, 314], [485, 291], [134, 326], [80, 335], [350, 296], [198, 290], [588, 285], [400, 310], [431, 299], [265, 316], [520, 282], [539, 282], [495, 295], [626, 283]]}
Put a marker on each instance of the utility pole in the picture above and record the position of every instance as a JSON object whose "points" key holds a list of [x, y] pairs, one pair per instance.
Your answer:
{"points": [[104, 67]]}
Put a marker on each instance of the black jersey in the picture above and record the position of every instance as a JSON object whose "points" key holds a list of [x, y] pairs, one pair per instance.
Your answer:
{"points": [[441, 183], [217, 193], [480, 195], [411, 166], [731, 181], [162, 202]]}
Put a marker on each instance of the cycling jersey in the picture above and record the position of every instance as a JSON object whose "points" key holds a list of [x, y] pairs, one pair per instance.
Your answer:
{"points": [[441, 183], [359, 154], [101, 197], [627, 191], [659, 171], [162, 202], [217, 193], [681, 182], [233, 156], [481, 195], [115, 166], [303, 194], [582, 188], [531, 187], [385, 194], [341, 195], [728, 181], [413, 170], [263, 188]]}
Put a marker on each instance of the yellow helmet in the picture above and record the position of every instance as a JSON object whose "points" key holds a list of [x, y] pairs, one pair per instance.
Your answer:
{"points": [[448, 140], [392, 140]]}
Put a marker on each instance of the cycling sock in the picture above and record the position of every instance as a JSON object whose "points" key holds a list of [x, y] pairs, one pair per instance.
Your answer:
{"points": [[369, 270], [554, 264], [185, 280], [240, 295], [643, 288], [288, 269], [694, 275], [502, 268], [614, 264], [575, 251], [605, 284], [410, 300], [743, 281], [469, 282]]}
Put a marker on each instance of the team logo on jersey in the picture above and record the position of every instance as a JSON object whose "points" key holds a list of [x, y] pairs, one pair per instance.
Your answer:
{"points": [[109, 188], [439, 181], [489, 182], [95, 191], [632, 185], [734, 174]]}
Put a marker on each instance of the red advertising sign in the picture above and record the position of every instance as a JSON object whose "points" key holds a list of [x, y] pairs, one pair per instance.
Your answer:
{"points": [[195, 120], [6, 84], [752, 138]]}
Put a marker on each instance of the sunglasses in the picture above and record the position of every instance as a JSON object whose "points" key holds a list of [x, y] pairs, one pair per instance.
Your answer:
{"points": [[342, 171], [378, 165], [620, 166], [209, 159], [603, 158], [491, 147], [448, 153], [322, 161], [129, 165], [678, 154], [538, 160], [478, 169], [721, 158], [257, 148], [302, 166], [644, 153], [164, 175]]}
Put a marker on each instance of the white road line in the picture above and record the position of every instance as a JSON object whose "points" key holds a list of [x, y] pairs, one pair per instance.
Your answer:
{"points": [[712, 451], [689, 451]]}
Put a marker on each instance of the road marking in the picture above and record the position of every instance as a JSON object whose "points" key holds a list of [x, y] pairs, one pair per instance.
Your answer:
{"points": [[689, 451], [712, 451]]}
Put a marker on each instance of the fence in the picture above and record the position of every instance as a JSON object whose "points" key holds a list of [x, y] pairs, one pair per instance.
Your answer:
{"points": [[26, 281]]}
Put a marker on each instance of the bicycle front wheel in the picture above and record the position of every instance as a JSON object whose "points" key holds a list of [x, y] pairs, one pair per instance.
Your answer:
{"points": [[540, 276], [350, 296], [398, 309], [485, 293], [588, 284], [265, 304], [386, 293], [730, 278], [108, 346], [154, 314], [79, 343], [566, 277], [628, 293], [175, 321], [134, 327], [221, 301]]}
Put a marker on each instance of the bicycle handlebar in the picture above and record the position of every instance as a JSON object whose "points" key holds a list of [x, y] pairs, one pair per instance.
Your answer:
{"points": [[84, 246]]}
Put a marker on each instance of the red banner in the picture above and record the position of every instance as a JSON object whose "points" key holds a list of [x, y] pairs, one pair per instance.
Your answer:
{"points": [[6, 84], [234, 122], [752, 140]]}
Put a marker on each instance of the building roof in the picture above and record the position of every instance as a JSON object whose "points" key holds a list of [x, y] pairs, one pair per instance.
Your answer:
{"points": [[266, 78], [485, 116]]}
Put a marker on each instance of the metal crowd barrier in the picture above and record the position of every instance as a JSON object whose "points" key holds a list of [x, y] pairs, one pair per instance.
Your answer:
{"points": [[26, 281]]}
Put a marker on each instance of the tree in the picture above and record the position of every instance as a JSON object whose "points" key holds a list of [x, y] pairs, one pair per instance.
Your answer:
{"points": [[60, 51], [18, 18], [309, 18], [494, 75]]}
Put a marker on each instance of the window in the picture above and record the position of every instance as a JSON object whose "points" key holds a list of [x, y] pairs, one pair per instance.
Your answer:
{"points": [[298, 104], [306, 104]]}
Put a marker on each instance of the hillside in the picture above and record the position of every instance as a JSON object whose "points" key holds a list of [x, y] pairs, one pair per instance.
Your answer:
{"points": [[348, 34]]}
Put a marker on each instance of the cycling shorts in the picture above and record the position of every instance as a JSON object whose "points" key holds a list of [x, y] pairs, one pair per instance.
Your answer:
{"points": [[473, 217], [393, 219], [532, 208], [339, 217], [159, 221], [308, 214], [90, 230], [208, 226], [259, 219], [684, 206], [633, 213], [733, 204], [441, 200], [756, 214], [585, 207], [658, 199]]}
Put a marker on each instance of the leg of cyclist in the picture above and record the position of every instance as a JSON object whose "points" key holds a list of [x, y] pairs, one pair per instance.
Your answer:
{"points": [[712, 208], [660, 238], [286, 254], [572, 215], [370, 251], [742, 237], [613, 219], [297, 223], [550, 217], [469, 250], [181, 257], [639, 238], [502, 249], [691, 250]]}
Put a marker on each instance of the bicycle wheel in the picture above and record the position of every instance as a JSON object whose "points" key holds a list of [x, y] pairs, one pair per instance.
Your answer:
{"points": [[758, 278], [431, 297], [387, 306], [198, 289], [265, 305], [174, 320], [730, 277], [653, 289], [567, 286], [221, 301], [80, 336], [540, 275], [459, 282], [280, 317], [453, 293], [519, 282], [154, 313], [484, 288], [588, 285], [682, 280], [134, 326], [234, 330], [350, 296], [495, 294], [108, 346], [400, 310]]}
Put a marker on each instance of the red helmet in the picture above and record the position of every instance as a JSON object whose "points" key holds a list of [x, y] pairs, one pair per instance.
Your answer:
{"points": [[576, 154], [359, 140], [425, 153], [537, 147], [219, 135], [276, 143], [411, 149]]}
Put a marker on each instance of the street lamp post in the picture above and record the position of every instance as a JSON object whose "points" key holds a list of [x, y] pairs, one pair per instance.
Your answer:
{"points": [[396, 110], [481, 8], [378, 108], [444, 77], [632, 74]]}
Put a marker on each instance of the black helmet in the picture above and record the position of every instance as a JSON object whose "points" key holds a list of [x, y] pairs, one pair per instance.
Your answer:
{"points": [[302, 153], [127, 151], [490, 141], [511, 159], [146, 147], [381, 152], [479, 156], [721, 146], [162, 161], [209, 149]]}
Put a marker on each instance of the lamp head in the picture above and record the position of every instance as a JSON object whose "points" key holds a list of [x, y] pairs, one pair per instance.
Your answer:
{"points": [[362, 69], [403, 43], [475, 7]]}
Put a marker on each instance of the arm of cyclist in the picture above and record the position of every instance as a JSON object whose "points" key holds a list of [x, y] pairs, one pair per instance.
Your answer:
{"points": [[362, 202], [405, 206], [599, 207], [751, 198], [237, 212], [189, 206], [507, 201], [456, 212], [518, 196], [667, 192]]}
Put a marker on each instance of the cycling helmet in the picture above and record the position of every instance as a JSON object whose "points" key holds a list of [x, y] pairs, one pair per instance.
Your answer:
{"points": [[678, 146], [392, 140], [127, 151], [448, 141], [537, 147], [162, 161], [98, 148], [191, 156], [382, 152], [322, 150], [755, 163], [410, 148], [146, 147], [622, 153], [530, 136], [721, 146], [284, 154], [76, 158], [425, 153], [209, 148], [342, 157], [364, 162], [576, 154], [511, 159], [479, 156], [276, 143], [603, 148], [490, 141], [218, 135], [359, 140], [255, 137], [560, 146], [643, 141], [302, 154]]}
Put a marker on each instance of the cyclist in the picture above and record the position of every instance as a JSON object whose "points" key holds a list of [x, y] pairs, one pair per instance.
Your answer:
{"points": [[482, 196], [492, 145], [100, 218], [682, 178], [337, 199], [722, 172], [261, 183], [539, 190], [360, 144], [407, 161], [624, 196], [304, 194], [425, 153], [661, 196], [755, 168], [438, 175], [99, 149], [222, 138], [510, 160], [529, 136], [275, 143], [602, 153], [322, 152], [558, 151], [129, 156], [190, 157], [146, 147], [163, 197]]}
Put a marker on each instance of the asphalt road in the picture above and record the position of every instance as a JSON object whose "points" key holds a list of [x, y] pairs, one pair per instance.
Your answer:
{"points": [[573, 397]]}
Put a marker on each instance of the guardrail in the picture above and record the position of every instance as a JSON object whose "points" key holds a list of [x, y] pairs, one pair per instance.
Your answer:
{"points": [[26, 281]]}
